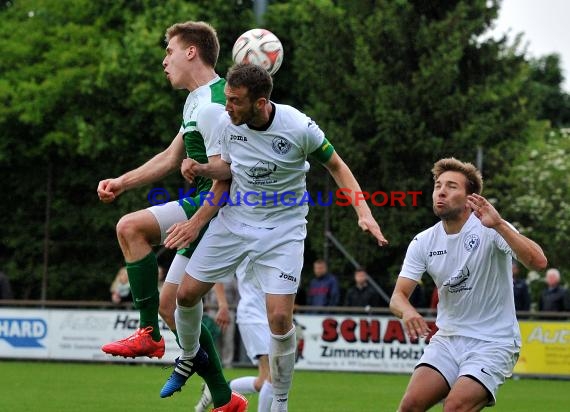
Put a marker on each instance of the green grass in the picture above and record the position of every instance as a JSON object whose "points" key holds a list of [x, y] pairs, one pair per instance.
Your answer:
{"points": [[79, 387]]}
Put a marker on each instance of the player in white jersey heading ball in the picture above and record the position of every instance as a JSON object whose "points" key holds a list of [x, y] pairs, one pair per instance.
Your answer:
{"points": [[265, 146], [468, 254]]}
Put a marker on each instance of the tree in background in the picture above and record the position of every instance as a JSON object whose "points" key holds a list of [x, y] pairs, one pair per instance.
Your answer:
{"points": [[83, 97], [395, 84], [552, 103], [538, 195]]}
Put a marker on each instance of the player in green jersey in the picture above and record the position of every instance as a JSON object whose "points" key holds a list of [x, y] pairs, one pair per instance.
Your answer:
{"points": [[191, 56]]}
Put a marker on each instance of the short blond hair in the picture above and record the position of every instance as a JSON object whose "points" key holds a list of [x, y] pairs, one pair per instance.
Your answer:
{"points": [[471, 173]]}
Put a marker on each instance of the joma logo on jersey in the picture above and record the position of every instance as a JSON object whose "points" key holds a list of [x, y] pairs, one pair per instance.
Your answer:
{"points": [[287, 277], [437, 253], [234, 137]]}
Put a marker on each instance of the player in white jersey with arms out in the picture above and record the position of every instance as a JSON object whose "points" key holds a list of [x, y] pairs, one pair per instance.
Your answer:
{"points": [[468, 254], [264, 149]]}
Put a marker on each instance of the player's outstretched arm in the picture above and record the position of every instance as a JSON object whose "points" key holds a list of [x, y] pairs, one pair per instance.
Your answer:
{"points": [[154, 169], [223, 316], [528, 252], [345, 179], [400, 305]]}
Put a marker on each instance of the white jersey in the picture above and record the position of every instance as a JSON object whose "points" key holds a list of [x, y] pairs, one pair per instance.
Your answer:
{"points": [[472, 271], [202, 110], [251, 306], [269, 167]]}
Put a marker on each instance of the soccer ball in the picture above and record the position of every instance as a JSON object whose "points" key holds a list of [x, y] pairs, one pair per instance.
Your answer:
{"points": [[261, 47]]}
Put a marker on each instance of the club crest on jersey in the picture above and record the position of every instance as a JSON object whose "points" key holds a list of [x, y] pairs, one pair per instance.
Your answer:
{"points": [[471, 242], [281, 145]]}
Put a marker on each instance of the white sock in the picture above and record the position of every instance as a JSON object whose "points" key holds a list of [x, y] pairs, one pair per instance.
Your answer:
{"points": [[282, 362], [188, 321], [265, 397], [243, 385]]}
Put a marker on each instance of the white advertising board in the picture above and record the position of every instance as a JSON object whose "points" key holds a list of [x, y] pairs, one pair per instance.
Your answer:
{"points": [[325, 342], [356, 343], [71, 334]]}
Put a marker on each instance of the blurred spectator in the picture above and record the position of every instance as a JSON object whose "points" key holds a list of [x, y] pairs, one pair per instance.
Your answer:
{"points": [[222, 300], [5, 288], [120, 288], [554, 298], [323, 288], [361, 294], [520, 289]]}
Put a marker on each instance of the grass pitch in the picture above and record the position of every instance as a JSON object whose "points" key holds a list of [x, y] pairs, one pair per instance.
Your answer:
{"points": [[85, 387]]}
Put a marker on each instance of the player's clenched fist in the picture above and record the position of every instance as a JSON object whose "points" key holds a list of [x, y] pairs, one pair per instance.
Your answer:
{"points": [[190, 169], [109, 189]]}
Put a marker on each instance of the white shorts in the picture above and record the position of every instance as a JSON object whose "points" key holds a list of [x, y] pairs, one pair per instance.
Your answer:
{"points": [[251, 306], [167, 215], [276, 254], [177, 269], [255, 338], [489, 363]]}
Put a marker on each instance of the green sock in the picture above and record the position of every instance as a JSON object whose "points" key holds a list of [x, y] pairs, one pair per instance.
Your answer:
{"points": [[143, 278], [214, 377]]}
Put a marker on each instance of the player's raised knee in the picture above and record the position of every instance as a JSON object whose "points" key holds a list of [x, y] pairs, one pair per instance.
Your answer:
{"points": [[140, 225], [128, 226]]}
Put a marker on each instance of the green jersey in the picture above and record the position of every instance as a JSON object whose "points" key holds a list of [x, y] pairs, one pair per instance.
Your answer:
{"points": [[202, 110]]}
